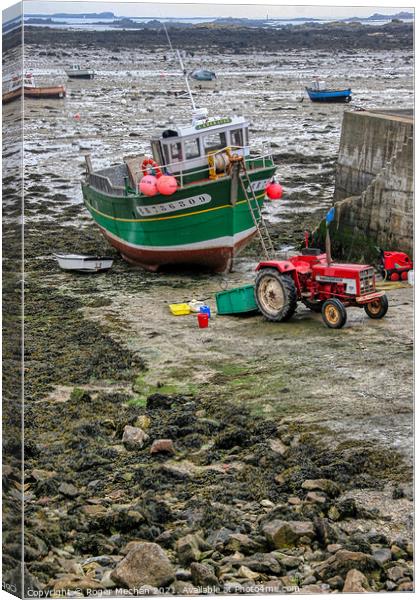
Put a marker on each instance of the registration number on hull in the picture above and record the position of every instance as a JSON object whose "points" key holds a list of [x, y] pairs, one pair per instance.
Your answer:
{"points": [[168, 207], [258, 186]]}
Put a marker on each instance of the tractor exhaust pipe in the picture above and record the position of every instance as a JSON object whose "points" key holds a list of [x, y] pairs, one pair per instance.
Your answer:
{"points": [[328, 219], [328, 247]]}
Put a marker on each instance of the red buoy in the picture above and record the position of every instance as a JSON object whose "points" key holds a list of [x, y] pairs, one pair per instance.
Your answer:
{"points": [[274, 191], [167, 185], [148, 185], [77, 117]]}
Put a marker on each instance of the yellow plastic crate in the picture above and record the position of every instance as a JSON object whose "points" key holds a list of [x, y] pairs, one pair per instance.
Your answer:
{"points": [[179, 309]]}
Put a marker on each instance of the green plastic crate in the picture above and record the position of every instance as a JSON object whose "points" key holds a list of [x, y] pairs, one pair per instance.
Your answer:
{"points": [[237, 300]]}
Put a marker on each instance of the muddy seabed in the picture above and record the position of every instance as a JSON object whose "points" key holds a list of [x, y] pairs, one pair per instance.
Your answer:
{"points": [[254, 409]]}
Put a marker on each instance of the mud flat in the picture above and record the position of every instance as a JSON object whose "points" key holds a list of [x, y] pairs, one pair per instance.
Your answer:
{"points": [[287, 459]]}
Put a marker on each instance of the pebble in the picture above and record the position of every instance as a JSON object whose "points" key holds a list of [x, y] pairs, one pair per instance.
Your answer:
{"points": [[267, 503], [134, 438], [164, 446], [382, 555], [69, 490], [315, 497], [143, 421], [396, 573]]}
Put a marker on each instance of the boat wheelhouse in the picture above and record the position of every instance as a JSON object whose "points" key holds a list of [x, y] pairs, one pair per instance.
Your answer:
{"points": [[209, 217]]}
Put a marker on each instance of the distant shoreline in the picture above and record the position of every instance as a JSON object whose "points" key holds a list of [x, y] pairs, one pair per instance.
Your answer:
{"points": [[235, 39]]}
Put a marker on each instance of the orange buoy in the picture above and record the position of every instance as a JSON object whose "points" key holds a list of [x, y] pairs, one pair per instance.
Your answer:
{"points": [[274, 191], [167, 185], [147, 185]]}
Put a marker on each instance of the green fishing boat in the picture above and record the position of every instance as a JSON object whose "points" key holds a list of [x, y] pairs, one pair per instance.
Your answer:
{"points": [[211, 214]]}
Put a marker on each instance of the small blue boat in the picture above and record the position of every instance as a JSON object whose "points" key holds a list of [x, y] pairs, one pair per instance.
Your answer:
{"points": [[326, 95], [203, 75]]}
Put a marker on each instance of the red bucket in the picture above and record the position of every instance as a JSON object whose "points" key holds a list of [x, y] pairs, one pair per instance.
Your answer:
{"points": [[203, 320]]}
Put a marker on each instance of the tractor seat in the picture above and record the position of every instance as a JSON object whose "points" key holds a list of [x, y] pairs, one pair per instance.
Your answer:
{"points": [[311, 251]]}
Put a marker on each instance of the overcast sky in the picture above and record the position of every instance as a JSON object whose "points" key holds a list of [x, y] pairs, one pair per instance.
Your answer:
{"points": [[219, 8]]}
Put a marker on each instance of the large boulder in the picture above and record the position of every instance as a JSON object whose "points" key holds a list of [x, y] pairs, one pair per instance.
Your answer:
{"points": [[324, 485], [356, 582], [145, 564], [134, 438], [162, 446], [189, 548], [284, 534], [203, 575], [261, 563], [343, 561], [240, 542]]}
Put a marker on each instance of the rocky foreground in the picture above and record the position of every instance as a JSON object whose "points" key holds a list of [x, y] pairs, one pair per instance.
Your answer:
{"points": [[185, 496]]}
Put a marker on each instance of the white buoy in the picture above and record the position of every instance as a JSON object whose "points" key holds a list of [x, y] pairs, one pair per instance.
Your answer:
{"points": [[410, 277]]}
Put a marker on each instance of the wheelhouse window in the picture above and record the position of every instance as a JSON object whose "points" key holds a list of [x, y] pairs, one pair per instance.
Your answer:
{"points": [[236, 137], [214, 141], [192, 148], [173, 152]]}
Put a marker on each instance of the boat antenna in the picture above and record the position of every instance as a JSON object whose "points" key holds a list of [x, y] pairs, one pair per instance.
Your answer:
{"points": [[184, 71]]}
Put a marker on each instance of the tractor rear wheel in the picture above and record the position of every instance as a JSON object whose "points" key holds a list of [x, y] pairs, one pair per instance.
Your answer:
{"points": [[334, 313], [377, 309], [314, 305], [275, 295]]}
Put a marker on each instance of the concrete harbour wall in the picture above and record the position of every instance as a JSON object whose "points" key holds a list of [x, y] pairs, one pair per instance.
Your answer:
{"points": [[374, 188]]}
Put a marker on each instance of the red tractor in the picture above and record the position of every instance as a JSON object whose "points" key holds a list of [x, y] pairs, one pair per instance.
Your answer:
{"points": [[323, 286], [394, 265]]}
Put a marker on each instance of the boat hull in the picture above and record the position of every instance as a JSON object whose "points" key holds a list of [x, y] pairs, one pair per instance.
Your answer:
{"points": [[218, 258], [12, 95], [330, 96], [84, 264], [57, 91], [198, 225], [80, 75]]}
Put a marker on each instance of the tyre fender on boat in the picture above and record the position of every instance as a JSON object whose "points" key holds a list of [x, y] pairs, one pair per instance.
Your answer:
{"points": [[149, 163]]}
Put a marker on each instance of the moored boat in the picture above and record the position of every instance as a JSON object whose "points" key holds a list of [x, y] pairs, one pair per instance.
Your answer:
{"points": [[84, 263], [12, 88], [30, 90], [318, 92], [207, 218], [76, 72], [203, 75]]}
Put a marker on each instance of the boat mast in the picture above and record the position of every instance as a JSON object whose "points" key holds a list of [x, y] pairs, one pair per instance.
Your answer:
{"points": [[186, 80], [184, 72]]}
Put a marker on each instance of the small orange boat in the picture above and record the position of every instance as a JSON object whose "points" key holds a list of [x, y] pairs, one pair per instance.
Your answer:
{"points": [[30, 90], [12, 88]]}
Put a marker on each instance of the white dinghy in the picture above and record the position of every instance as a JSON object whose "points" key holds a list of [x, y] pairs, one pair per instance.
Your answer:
{"points": [[84, 263]]}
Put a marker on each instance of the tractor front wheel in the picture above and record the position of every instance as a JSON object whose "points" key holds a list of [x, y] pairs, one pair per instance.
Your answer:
{"points": [[334, 313], [377, 309], [275, 295]]}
